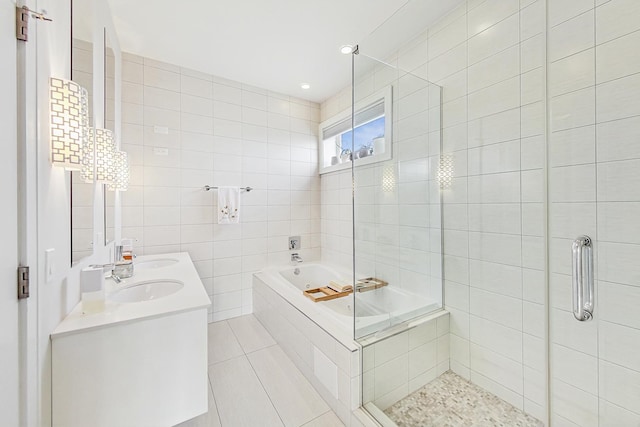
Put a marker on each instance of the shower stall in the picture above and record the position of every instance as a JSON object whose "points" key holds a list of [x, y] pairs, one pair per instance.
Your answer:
{"points": [[487, 208]]}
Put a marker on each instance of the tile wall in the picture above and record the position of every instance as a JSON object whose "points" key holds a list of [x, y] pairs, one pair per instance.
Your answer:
{"points": [[332, 368], [489, 57], [594, 152], [396, 366], [183, 130]]}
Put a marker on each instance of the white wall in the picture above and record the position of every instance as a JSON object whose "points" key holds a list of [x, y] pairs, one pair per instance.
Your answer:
{"points": [[57, 296], [489, 58], [220, 133], [594, 98], [9, 356]]}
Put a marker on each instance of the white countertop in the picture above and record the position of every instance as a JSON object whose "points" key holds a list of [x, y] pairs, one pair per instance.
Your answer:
{"points": [[191, 297]]}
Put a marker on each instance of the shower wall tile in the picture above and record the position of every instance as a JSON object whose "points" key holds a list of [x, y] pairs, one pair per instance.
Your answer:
{"points": [[571, 36], [496, 68], [572, 73], [502, 339], [618, 99], [615, 19], [185, 129], [489, 57], [486, 14], [495, 38]]}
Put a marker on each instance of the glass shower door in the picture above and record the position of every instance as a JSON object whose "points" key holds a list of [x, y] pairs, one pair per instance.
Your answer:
{"points": [[594, 190], [395, 144]]}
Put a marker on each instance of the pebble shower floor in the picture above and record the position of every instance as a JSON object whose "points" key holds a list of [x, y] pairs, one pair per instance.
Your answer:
{"points": [[452, 401]]}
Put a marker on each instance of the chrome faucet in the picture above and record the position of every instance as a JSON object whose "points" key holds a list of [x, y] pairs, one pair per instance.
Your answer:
{"points": [[104, 267], [296, 259], [110, 268], [119, 270]]}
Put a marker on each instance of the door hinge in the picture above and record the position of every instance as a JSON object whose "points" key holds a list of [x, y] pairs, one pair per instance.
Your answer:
{"points": [[22, 21], [23, 282]]}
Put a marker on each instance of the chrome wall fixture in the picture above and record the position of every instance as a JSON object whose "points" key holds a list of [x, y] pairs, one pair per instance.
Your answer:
{"points": [[582, 278], [209, 188]]}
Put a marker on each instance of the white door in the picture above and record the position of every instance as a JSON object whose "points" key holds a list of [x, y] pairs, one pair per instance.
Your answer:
{"points": [[9, 343]]}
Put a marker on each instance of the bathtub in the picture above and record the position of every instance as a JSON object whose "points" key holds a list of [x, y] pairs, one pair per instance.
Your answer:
{"points": [[375, 310], [318, 336]]}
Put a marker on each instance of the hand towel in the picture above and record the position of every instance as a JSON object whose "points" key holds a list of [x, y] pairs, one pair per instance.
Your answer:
{"points": [[228, 205], [340, 287]]}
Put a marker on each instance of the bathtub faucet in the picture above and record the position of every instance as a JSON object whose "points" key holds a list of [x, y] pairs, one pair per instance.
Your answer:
{"points": [[296, 259]]}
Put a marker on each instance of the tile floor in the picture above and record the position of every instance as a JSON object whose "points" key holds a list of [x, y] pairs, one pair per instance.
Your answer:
{"points": [[452, 401], [253, 383]]}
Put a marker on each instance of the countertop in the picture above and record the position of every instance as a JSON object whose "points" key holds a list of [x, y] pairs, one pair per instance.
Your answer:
{"points": [[191, 297]]}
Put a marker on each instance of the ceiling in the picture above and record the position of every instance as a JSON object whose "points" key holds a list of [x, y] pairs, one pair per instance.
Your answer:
{"points": [[273, 44]]}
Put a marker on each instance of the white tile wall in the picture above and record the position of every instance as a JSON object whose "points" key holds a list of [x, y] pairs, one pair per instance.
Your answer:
{"points": [[593, 152], [220, 132], [332, 368], [489, 58], [398, 365]]}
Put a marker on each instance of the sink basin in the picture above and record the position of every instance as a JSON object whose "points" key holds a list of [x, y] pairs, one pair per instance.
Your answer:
{"points": [[155, 263], [146, 291]]}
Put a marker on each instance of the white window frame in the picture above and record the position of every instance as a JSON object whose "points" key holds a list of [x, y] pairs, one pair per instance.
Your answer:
{"points": [[386, 96]]}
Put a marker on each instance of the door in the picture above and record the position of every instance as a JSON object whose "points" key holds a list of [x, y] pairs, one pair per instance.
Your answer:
{"points": [[594, 190], [9, 306]]}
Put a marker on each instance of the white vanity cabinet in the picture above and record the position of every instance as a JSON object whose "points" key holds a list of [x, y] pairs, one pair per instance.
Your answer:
{"points": [[135, 364]]}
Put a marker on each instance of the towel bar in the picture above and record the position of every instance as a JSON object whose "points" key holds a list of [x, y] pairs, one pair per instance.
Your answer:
{"points": [[208, 187]]}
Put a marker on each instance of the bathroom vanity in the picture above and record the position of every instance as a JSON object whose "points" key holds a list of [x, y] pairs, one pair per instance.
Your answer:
{"points": [[143, 360]]}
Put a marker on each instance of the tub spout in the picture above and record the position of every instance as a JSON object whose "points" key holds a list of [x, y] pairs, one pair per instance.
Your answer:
{"points": [[296, 259]]}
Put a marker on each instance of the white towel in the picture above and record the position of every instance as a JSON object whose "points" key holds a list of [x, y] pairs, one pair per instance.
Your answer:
{"points": [[340, 287], [228, 205]]}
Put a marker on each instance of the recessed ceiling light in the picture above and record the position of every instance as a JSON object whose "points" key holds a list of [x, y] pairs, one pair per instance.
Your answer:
{"points": [[346, 49], [305, 86]]}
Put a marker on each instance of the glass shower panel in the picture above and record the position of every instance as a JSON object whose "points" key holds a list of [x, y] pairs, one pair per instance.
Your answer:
{"points": [[395, 148]]}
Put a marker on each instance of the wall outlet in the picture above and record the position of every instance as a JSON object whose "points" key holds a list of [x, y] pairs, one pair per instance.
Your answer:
{"points": [[158, 151], [294, 243]]}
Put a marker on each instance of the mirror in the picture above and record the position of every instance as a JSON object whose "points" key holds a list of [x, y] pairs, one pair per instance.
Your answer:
{"points": [[110, 111], [82, 73]]}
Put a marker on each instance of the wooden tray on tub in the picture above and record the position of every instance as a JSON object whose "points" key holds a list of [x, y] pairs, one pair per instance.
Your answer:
{"points": [[369, 284], [324, 293]]}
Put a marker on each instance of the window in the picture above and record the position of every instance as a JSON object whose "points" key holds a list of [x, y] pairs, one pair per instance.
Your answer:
{"points": [[372, 130]]}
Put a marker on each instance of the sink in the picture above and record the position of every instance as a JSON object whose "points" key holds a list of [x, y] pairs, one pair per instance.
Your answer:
{"points": [[146, 291], [155, 263]]}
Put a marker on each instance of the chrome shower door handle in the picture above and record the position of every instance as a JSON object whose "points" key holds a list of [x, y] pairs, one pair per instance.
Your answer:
{"points": [[582, 279]]}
